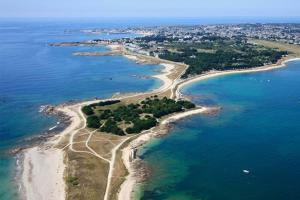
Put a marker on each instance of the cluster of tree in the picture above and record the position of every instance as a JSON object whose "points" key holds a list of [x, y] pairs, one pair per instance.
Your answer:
{"points": [[87, 110], [227, 55], [105, 103], [93, 122], [214, 38], [111, 126], [186, 104], [161, 107], [142, 124], [127, 113], [137, 117]]}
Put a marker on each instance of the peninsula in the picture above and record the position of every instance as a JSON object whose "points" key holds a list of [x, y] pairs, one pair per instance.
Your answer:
{"points": [[95, 157]]}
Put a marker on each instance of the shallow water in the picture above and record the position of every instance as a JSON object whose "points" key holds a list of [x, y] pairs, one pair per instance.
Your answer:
{"points": [[258, 130], [32, 74]]}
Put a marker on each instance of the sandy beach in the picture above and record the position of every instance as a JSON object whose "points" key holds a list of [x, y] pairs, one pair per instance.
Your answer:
{"points": [[39, 162], [127, 187], [43, 167], [129, 184], [164, 76], [212, 74], [43, 174]]}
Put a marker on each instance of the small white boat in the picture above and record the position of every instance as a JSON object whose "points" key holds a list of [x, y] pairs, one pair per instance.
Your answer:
{"points": [[246, 171]]}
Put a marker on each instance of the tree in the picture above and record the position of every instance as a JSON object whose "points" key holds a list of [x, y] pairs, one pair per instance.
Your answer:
{"points": [[93, 122], [111, 126], [87, 110], [187, 104]]}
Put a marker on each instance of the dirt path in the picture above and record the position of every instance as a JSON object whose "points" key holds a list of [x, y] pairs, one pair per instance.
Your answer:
{"points": [[81, 124]]}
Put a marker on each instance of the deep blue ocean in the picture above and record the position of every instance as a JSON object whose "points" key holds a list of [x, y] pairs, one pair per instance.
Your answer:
{"points": [[257, 129]]}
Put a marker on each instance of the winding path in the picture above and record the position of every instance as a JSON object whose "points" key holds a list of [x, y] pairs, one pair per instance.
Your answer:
{"points": [[90, 150], [169, 84]]}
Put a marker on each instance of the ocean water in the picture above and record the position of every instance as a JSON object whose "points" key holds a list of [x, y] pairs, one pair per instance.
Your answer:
{"points": [[32, 74], [258, 130]]}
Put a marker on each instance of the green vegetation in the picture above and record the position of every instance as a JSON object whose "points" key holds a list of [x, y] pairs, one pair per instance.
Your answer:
{"points": [[87, 110], [161, 107], [111, 126], [186, 104], [72, 180], [106, 103], [217, 53], [93, 122], [292, 49], [142, 124], [133, 118]]}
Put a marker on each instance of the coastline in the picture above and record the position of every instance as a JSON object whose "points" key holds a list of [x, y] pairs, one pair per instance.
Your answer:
{"points": [[36, 184], [43, 184], [35, 158], [280, 64], [128, 186], [50, 157]]}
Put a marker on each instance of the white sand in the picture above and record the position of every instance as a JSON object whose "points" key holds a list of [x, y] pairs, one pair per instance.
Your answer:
{"points": [[165, 72], [131, 57], [128, 185], [184, 114], [43, 174], [115, 47], [213, 74], [43, 168], [167, 82]]}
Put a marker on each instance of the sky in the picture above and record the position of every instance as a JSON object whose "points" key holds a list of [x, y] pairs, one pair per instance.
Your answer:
{"points": [[148, 8]]}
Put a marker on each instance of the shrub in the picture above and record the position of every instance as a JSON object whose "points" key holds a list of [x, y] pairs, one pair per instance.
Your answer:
{"points": [[187, 104], [93, 122], [107, 103], [72, 180], [141, 125], [111, 126], [87, 110]]}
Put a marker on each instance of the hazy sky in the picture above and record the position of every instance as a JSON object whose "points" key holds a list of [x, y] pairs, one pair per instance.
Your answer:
{"points": [[148, 8]]}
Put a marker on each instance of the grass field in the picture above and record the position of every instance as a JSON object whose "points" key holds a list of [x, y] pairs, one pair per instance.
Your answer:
{"points": [[293, 49]]}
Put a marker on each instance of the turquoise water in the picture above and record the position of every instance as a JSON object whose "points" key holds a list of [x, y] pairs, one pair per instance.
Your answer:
{"points": [[258, 130], [32, 74]]}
